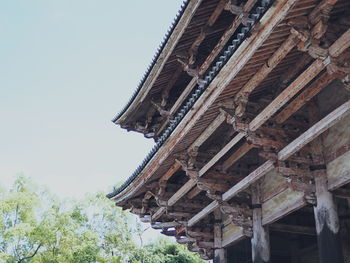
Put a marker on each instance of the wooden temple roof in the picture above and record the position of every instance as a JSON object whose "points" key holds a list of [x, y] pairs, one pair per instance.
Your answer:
{"points": [[223, 99]]}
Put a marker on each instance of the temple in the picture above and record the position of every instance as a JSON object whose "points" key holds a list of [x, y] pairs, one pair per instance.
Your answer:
{"points": [[248, 102]]}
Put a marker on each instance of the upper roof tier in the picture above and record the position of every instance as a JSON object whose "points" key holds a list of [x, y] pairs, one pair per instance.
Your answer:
{"points": [[182, 58]]}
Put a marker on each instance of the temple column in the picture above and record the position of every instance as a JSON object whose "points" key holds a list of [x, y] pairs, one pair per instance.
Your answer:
{"points": [[346, 237], [260, 240], [327, 222], [326, 215], [220, 255]]}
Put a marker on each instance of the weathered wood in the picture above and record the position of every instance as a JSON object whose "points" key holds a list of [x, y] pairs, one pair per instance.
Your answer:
{"points": [[327, 223], [342, 193], [272, 62], [260, 240], [293, 229], [163, 57], [245, 51], [173, 169], [208, 131], [326, 215], [221, 153], [219, 252], [207, 210], [305, 96], [286, 152], [316, 67], [182, 191], [248, 180], [194, 192], [163, 180], [214, 53], [340, 45], [246, 147], [169, 86], [226, 36], [242, 185], [158, 213], [315, 131], [192, 52], [317, 12]]}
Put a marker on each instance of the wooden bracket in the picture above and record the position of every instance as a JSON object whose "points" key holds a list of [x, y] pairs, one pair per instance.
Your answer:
{"points": [[148, 195], [190, 172], [240, 215], [241, 104], [193, 72], [160, 109], [318, 52]]}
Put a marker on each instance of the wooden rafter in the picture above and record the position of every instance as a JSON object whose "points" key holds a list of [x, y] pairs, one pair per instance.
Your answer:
{"points": [[286, 152]]}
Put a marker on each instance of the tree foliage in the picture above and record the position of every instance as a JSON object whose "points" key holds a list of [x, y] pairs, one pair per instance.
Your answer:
{"points": [[37, 227]]}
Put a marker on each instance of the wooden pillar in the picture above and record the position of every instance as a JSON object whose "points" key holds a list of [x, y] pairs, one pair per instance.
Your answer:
{"points": [[326, 215], [345, 231], [260, 240], [346, 248], [220, 255], [327, 222]]}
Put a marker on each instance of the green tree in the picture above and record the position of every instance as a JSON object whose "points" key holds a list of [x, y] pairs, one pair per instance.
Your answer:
{"points": [[37, 227], [164, 251]]}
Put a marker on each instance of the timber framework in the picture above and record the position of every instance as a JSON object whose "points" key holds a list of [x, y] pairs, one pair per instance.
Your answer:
{"points": [[248, 102]]}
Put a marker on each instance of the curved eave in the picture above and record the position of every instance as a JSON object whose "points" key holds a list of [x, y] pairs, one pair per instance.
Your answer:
{"points": [[215, 78], [173, 35]]}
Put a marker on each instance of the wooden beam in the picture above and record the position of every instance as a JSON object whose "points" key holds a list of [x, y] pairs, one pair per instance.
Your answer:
{"points": [[342, 193], [316, 67], [182, 191], [227, 35], [305, 96], [214, 53], [286, 152], [243, 184], [248, 180], [272, 17], [158, 213], [163, 57], [220, 255], [340, 45], [261, 239], [173, 169], [207, 210], [246, 147], [272, 62], [293, 229], [315, 131], [193, 50], [327, 223], [221, 153], [208, 131]]}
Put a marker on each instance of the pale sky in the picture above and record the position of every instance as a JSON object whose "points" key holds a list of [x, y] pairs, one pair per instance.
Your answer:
{"points": [[67, 67]]}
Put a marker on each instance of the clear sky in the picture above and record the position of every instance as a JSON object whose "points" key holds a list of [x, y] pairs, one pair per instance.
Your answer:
{"points": [[66, 68]]}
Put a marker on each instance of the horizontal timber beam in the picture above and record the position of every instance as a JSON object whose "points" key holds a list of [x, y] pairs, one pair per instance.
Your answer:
{"points": [[215, 52], [286, 152], [315, 131], [293, 229], [305, 96], [208, 131], [274, 15], [304, 78]]}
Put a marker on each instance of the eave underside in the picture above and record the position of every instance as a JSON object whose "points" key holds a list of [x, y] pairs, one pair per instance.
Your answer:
{"points": [[263, 131]]}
